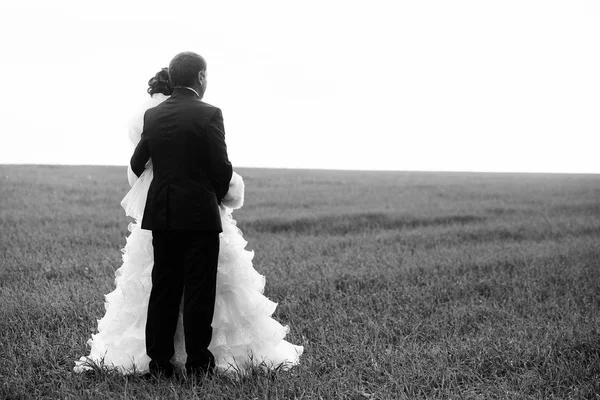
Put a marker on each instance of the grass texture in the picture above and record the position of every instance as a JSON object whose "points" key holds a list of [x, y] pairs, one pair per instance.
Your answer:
{"points": [[400, 285]]}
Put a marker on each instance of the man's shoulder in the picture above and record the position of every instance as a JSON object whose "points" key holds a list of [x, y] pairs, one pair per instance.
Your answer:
{"points": [[205, 112], [208, 107], [199, 106], [192, 110]]}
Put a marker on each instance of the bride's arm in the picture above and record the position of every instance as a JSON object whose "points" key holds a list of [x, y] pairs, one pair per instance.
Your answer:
{"points": [[134, 131], [135, 128]]}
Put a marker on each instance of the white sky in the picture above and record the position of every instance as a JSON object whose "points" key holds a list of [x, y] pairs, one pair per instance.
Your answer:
{"points": [[511, 85]]}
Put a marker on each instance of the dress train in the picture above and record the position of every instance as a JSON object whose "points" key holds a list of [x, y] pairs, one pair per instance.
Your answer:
{"points": [[244, 332]]}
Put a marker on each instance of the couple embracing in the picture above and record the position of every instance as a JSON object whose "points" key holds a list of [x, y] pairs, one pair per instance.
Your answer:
{"points": [[187, 293]]}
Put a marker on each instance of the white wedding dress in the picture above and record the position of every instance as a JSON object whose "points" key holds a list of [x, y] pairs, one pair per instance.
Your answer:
{"points": [[244, 333]]}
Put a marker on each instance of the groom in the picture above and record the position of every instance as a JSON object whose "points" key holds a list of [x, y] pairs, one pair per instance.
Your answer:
{"points": [[185, 139]]}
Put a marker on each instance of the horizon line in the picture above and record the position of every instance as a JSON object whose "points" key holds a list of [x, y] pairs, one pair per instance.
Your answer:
{"points": [[329, 169]]}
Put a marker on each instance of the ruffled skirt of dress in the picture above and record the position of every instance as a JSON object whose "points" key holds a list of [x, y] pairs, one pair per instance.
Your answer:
{"points": [[244, 333]]}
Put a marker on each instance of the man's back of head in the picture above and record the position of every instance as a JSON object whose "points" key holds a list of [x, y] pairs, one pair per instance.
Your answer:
{"points": [[185, 67]]}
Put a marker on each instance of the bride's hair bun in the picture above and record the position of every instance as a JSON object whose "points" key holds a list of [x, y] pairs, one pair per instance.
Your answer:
{"points": [[160, 83]]}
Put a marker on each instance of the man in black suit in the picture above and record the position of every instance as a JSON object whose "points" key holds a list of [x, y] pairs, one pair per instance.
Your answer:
{"points": [[185, 139]]}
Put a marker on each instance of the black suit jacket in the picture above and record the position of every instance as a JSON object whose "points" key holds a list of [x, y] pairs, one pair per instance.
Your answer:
{"points": [[185, 138]]}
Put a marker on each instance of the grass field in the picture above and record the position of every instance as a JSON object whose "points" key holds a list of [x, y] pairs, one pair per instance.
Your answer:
{"points": [[400, 285]]}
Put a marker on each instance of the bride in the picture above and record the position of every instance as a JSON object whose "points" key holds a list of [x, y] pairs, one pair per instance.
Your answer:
{"points": [[244, 333]]}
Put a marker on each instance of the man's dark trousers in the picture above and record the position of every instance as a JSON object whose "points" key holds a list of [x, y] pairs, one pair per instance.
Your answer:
{"points": [[185, 263]]}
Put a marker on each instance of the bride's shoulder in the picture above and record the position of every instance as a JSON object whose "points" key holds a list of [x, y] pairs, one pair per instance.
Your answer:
{"points": [[148, 103], [136, 121], [156, 99]]}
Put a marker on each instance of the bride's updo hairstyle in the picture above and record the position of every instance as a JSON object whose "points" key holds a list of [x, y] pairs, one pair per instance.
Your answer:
{"points": [[160, 83], [184, 69]]}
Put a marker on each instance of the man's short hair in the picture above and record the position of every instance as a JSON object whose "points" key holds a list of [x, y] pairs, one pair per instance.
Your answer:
{"points": [[184, 68]]}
